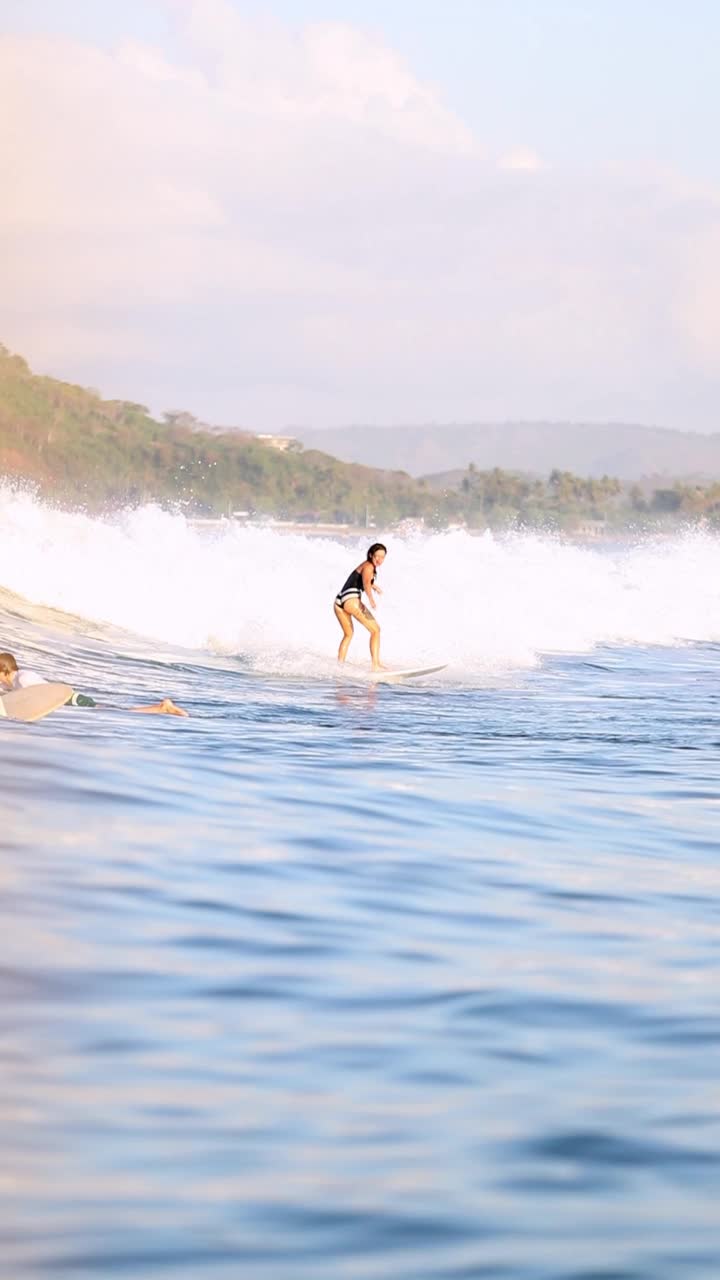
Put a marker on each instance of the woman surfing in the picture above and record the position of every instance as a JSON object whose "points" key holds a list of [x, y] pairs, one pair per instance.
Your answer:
{"points": [[349, 604]]}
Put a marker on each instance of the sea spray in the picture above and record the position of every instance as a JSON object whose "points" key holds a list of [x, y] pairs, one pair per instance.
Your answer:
{"points": [[485, 604]]}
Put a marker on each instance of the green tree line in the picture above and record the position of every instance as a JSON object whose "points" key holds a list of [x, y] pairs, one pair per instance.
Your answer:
{"points": [[504, 499], [82, 450]]}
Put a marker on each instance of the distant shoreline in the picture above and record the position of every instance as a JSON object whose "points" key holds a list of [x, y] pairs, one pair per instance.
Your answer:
{"points": [[326, 529]]}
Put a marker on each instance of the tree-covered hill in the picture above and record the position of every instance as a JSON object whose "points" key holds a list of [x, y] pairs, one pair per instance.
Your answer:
{"points": [[79, 448], [82, 450]]}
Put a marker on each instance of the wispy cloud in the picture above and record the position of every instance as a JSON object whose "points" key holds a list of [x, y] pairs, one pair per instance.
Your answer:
{"points": [[521, 159], [276, 224]]}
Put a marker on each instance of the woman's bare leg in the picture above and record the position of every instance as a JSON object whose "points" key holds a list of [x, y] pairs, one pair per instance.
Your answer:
{"points": [[347, 626], [375, 649], [357, 609]]}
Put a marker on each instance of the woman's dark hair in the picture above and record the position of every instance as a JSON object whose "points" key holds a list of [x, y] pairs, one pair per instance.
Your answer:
{"points": [[376, 546]]}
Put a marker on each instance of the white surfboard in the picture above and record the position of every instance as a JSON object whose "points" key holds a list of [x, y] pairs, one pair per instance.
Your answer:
{"points": [[393, 677], [35, 702]]}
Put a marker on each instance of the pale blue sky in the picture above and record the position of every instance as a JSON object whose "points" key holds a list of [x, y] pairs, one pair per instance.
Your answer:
{"points": [[615, 102], [634, 78]]}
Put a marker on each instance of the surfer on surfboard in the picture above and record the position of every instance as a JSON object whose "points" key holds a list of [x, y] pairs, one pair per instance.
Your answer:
{"points": [[13, 677], [348, 604]]}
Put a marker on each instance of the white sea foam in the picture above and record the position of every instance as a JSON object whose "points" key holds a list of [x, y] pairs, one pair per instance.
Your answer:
{"points": [[481, 603]]}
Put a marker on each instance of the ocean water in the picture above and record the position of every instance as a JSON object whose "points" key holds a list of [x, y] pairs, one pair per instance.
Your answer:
{"points": [[340, 982]]}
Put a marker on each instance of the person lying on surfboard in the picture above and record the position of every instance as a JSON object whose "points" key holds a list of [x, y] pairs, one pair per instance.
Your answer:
{"points": [[14, 677], [348, 604]]}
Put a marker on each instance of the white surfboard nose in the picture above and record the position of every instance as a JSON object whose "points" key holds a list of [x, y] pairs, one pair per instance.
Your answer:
{"points": [[392, 677]]}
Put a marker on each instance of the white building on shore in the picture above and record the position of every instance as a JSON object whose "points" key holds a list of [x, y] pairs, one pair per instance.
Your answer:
{"points": [[283, 443]]}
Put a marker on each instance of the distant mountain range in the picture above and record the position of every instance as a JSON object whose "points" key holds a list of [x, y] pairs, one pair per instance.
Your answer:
{"points": [[74, 447], [618, 449]]}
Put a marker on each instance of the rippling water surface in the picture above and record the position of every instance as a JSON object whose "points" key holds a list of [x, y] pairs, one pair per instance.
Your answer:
{"points": [[385, 984]]}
